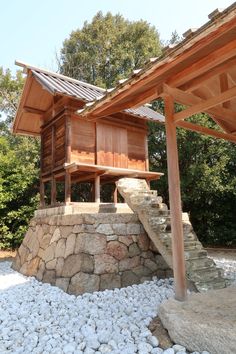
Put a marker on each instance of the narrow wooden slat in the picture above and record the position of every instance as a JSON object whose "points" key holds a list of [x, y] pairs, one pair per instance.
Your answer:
{"points": [[175, 202]]}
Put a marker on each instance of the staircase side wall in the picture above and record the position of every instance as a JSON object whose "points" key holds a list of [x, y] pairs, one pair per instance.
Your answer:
{"points": [[89, 252]]}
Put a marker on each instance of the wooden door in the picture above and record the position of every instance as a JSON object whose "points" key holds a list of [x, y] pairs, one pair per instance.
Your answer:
{"points": [[112, 147]]}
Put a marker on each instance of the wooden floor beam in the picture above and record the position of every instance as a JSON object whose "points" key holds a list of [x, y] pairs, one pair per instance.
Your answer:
{"points": [[175, 202]]}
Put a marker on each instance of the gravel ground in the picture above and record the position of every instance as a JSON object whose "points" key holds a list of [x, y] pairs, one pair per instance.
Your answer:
{"points": [[39, 318]]}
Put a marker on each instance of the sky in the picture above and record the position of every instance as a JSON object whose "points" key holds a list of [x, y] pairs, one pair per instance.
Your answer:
{"points": [[33, 31]]}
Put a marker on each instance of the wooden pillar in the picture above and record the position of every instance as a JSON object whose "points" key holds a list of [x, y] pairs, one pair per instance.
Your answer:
{"points": [[115, 195], [68, 158], [67, 187], [42, 193], [53, 191], [97, 189], [175, 202]]}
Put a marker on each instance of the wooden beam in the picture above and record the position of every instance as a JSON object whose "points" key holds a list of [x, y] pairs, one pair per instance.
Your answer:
{"points": [[224, 86], [145, 97], [205, 105], [33, 110], [190, 99], [217, 57], [175, 203], [207, 131], [213, 72], [97, 188]]}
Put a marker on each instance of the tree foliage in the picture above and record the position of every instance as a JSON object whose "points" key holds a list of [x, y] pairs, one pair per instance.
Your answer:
{"points": [[108, 49], [18, 167], [208, 179]]}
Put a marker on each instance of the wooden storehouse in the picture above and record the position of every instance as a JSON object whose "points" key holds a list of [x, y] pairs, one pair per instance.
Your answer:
{"points": [[76, 149]]}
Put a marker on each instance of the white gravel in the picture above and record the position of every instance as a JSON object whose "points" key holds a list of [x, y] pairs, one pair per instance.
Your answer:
{"points": [[38, 318]]}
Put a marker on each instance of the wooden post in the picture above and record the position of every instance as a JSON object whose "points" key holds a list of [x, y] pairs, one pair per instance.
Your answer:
{"points": [[115, 195], [175, 202], [42, 193], [67, 187], [68, 159], [53, 191], [97, 189]]}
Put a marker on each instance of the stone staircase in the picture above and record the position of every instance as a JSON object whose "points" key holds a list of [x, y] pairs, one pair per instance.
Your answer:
{"points": [[201, 271]]}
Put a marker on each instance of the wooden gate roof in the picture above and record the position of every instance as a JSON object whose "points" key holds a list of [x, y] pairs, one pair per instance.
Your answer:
{"points": [[199, 72], [42, 86]]}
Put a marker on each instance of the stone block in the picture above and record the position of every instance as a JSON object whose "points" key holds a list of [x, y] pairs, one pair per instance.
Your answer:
{"points": [[205, 322], [45, 241], [62, 283], [60, 248], [66, 230], [127, 240], [84, 228], [161, 263], [84, 283], [117, 250], [76, 263], [104, 229], [133, 229], [120, 229], [110, 281], [49, 253], [59, 266], [40, 271], [105, 263], [143, 242], [56, 235], [23, 253], [129, 278], [129, 263], [49, 276], [150, 265], [134, 250], [142, 271], [112, 238], [73, 219], [92, 244], [51, 264], [70, 245]]}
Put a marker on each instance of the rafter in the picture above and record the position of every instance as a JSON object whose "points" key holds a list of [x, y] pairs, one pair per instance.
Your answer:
{"points": [[206, 104], [190, 99], [33, 110]]}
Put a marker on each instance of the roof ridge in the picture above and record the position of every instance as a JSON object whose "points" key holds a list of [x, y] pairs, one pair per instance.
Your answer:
{"points": [[63, 77]]}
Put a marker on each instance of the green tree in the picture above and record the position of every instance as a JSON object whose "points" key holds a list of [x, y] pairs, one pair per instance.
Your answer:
{"points": [[19, 160], [208, 180], [108, 49]]}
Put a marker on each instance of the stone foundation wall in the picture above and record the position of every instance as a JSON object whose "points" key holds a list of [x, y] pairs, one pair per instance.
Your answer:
{"points": [[89, 252]]}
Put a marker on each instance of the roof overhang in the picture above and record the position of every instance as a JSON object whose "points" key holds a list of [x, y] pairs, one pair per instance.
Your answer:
{"points": [[44, 91], [199, 72]]}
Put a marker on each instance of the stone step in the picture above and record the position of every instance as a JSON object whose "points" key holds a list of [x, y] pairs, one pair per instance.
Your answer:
{"points": [[208, 274], [199, 263], [195, 254], [219, 283], [155, 215]]}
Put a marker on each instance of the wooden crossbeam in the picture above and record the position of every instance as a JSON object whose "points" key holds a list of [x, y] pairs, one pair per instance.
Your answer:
{"points": [[190, 99], [206, 104], [207, 131], [32, 110]]}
